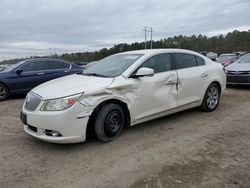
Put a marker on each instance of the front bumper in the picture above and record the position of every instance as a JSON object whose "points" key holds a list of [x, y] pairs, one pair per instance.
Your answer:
{"points": [[70, 123], [238, 79]]}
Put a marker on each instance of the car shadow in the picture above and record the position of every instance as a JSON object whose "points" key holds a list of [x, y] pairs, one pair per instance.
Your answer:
{"points": [[16, 97], [241, 87]]}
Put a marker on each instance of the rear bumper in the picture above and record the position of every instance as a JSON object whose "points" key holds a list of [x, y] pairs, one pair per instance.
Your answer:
{"points": [[70, 123]]}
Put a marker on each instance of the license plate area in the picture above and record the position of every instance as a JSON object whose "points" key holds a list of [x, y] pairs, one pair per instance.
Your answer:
{"points": [[23, 118]]}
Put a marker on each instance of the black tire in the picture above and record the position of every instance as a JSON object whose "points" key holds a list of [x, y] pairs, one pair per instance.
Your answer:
{"points": [[211, 98], [109, 122], [4, 92]]}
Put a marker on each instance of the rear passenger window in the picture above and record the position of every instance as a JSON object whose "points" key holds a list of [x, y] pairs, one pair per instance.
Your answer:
{"points": [[55, 65], [200, 61], [160, 63], [66, 65], [184, 61]]}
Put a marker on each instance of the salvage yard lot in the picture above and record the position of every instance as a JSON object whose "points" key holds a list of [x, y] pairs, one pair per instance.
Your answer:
{"points": [[191, 148]]}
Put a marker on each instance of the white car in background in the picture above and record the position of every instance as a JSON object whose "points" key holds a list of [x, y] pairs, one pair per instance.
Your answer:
{"points": [[122, 90]]}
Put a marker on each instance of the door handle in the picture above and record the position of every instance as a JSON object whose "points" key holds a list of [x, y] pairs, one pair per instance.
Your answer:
{"points": [[170, 82], [41, 73], [204, 75]]}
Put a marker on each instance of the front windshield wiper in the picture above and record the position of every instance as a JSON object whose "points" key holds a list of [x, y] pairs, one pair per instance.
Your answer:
{"points": [[94, 74]]}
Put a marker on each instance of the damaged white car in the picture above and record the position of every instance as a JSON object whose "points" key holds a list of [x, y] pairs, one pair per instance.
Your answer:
{"points": [[122, 90]]}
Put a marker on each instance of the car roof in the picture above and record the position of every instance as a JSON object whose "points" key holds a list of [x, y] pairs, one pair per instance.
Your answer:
{"points": [[46, 59], [229, 54], [157, 51]]}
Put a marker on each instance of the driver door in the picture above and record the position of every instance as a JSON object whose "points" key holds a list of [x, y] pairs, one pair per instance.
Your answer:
{"points": [[33, 75], [154, 95]]}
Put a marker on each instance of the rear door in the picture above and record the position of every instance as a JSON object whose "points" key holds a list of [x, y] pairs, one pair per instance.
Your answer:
{"points": [[192, 76], [56, 69]]}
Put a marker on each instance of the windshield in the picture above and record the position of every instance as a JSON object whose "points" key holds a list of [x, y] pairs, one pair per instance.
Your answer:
{"points": [[244, 59], [226, 57], [12, 67], [112, 66]]}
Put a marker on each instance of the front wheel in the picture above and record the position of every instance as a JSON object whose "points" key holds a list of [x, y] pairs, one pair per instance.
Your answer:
{"points": [[4, 92], [109, 123], [211, 99]]}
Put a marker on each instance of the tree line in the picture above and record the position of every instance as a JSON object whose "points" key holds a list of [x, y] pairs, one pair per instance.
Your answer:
{"points": [[232, 41]]}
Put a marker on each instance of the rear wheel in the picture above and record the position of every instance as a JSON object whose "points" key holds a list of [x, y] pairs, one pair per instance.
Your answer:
{"points": [[211, 99], [109, 122], [4, 92]]}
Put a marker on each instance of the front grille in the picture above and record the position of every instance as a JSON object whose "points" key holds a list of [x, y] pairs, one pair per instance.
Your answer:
{"points": [[238, 79], [32, 101], [238, 73], [34, 129]]}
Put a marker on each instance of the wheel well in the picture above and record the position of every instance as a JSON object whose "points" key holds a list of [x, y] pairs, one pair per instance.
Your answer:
{"points": [[90, 125], [218, 84], [5, 86]]}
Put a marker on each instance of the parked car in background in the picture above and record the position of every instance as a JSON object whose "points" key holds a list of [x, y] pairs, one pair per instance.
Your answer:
{"points": [[89, 64], [82, 64], [122, 90], [238, 73], [25, 75], [226, 59], [240, 53], [4, 66], [210, 55]]}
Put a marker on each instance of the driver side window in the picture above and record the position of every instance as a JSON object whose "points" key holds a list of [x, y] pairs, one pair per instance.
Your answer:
{"points": [[33, 66], [159, 63]]}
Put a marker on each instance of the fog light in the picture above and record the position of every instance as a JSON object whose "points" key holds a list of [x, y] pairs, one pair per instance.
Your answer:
{"points": [[52, 133]]}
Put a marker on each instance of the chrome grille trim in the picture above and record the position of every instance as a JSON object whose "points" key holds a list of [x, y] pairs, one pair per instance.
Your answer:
{"points": [[238, 72]]}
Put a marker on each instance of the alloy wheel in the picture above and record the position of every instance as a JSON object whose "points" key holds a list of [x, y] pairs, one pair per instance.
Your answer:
{"points": [[3, 92], [212, 97]]}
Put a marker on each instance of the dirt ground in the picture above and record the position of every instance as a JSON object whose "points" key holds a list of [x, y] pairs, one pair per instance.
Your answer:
{"points": [[188, 149]]}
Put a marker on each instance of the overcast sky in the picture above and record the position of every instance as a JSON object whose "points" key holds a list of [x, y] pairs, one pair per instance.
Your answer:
{"points": [[32, 27]]}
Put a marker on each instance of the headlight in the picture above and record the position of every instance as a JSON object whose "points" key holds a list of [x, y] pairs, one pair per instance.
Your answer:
{"points": [[60, 104]]}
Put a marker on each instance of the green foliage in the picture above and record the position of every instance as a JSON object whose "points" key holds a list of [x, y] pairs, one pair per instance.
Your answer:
{"points": [[233, 41]]}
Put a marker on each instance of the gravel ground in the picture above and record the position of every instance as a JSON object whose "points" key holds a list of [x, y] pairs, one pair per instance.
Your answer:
{"points": [[188, 149]]}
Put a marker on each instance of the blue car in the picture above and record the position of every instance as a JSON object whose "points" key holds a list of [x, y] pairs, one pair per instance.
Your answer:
{"points": [[25, 75]]}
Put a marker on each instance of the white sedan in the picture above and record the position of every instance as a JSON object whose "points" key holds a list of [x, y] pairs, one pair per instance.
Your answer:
{"points": [[122, 90]]}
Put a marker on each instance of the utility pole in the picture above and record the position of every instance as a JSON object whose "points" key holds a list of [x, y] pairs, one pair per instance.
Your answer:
{"points": [[55, 51], [151, 31], [151, 36]]}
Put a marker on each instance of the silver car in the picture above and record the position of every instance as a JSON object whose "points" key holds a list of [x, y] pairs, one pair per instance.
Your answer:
{"points": [[238, 73]]}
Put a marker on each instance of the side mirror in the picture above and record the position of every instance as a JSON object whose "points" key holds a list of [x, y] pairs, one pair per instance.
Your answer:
{"points": [[142, 72], [18, 72]]}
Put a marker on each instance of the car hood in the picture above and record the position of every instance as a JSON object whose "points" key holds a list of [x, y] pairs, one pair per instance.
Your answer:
{"points": [[70, 85], [3, 74], [238, 67]]}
